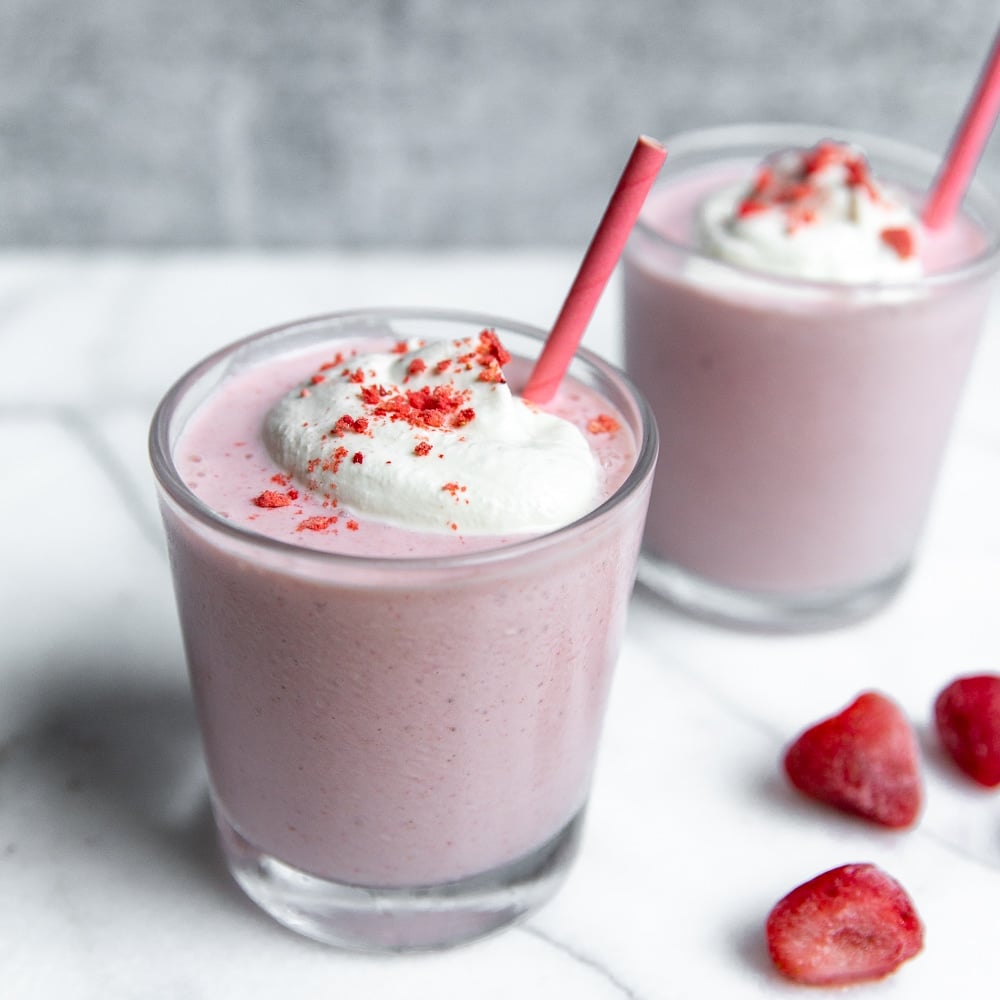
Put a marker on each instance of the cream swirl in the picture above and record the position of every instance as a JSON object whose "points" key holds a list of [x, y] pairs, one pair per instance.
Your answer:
{"points": [[816, 214], [431, 437]]}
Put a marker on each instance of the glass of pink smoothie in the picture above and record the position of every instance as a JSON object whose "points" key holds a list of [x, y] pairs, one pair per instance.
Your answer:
{"points": [[400, 725], [802, 422]]}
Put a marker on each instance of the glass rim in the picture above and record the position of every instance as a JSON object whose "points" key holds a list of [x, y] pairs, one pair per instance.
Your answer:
{"points": [[777, 135], [172, 484]]}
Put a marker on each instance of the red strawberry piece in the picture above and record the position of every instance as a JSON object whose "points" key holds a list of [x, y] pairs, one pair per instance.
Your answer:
{"points": [[852, 924], [864, 760], [967, 717], [271, 498], [901, 240]]}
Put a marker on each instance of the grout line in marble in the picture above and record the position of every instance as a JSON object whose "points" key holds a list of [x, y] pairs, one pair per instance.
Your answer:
{"points": [[89, 433], [21, 298], [697, 678], [80, 424], [580, 958], [922, 829], [121, 306], [969, 856]]}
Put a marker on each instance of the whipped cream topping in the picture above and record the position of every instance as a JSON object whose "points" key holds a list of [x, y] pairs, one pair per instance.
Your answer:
{"points": [[430, 437], [816, 214]]}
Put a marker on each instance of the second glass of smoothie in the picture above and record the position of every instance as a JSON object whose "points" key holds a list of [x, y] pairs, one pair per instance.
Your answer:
{"points": [[400, 724], [802, 421]]}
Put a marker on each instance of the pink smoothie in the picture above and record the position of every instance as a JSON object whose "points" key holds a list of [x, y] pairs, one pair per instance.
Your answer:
{"points": [[802, 424], [378, 719]]}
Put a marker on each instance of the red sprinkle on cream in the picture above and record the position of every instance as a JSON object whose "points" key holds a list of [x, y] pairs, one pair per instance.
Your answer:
{"points": [[491, 350], [338, 457], [347, 423], [901, 240], [338, 360], [797, 195], [437, 406], [441, 406]]}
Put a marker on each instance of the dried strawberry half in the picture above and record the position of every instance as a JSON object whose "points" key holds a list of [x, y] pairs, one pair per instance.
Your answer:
{"points": [[967, 718], [852, 924], [864, 760]]}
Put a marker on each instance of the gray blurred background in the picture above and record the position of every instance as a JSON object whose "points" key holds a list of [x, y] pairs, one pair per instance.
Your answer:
{"points": [[354, 124]]}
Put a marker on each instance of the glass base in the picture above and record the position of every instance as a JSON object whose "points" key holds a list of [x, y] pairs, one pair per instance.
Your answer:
{"points": [[399, 920], [811, 611]]}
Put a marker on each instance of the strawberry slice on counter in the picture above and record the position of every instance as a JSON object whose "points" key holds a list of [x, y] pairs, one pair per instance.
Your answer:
{"points": [[967, 719], [852, 924], [864, 760]]}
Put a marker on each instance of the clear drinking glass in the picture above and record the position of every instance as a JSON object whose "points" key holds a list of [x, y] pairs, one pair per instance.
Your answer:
{"points": [[802, 423], [400, 749]]}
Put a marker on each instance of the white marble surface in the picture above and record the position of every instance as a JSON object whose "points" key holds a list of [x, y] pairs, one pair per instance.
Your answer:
{"points": [[110, 886]]}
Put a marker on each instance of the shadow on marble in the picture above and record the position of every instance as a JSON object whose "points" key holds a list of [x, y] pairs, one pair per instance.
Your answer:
{"points": [[123, 766], [932, 753], [749, 944]]}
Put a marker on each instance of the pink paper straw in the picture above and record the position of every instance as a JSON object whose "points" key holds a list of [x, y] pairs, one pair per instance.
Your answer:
{"points": [[967, 145], [595, 269]]}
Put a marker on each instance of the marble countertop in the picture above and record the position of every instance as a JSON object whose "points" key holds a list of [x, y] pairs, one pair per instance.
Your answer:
{"points": [[110, 884]]}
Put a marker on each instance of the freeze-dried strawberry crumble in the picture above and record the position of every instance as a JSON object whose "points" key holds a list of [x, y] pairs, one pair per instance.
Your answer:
{"points": [[364, 442], [521, 469]]}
